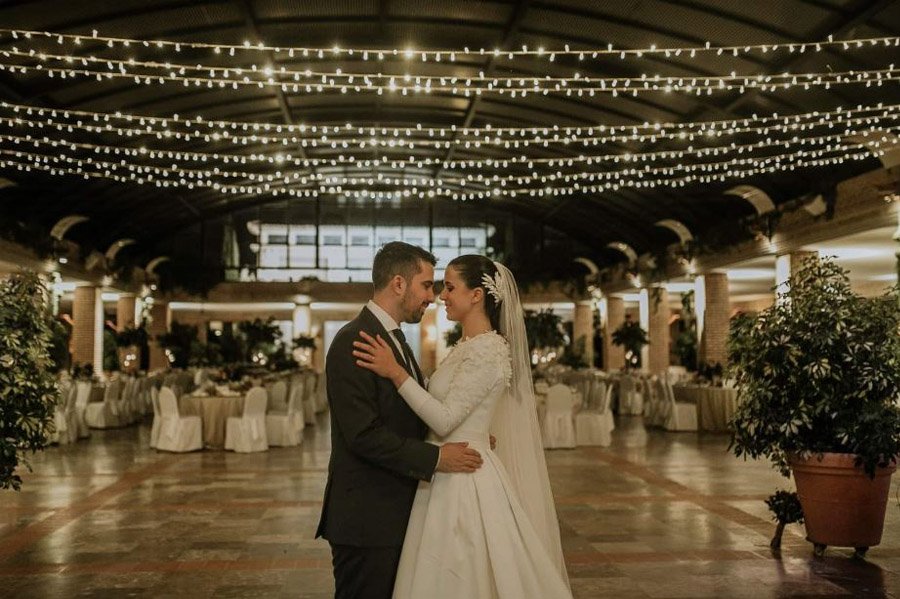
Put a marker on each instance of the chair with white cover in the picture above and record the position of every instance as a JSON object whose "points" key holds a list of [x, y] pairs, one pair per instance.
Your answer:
{"points": [[631, 401], [82, 397], [559, 421], [594, 424], [277, 393], [247, 433], [682, 416], [157, 417], [106, 414], [653, 402], [177, 433], [309, 398], [285, 429], [65, 417], [321, 395]]}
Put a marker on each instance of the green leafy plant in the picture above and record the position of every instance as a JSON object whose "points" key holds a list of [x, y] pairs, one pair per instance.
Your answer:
{"points": [[131, 336], [261, 336], [544, 329], [179, 342], [304, 342], [110, 353], [786, 509], [60, 333], [818, 372], [633, 338], [573, 355], [686, 341], [83, 372], [28, 391]]}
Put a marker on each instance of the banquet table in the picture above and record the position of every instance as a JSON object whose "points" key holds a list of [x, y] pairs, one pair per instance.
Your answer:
{"points": [[715, 405], [214, 412]]}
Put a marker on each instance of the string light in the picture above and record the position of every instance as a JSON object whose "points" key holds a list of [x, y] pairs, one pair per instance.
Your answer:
{"points": [[190, 178], [452, 55], [359, 136], [467, 164], [41, 163], [464, 86]]}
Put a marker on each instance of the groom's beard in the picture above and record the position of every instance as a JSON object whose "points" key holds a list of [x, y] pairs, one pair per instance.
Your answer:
{"points": [[414, 314]]}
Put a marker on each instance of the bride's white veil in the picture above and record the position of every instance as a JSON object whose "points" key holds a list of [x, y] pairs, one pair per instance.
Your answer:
{"points": [[515, 426]]}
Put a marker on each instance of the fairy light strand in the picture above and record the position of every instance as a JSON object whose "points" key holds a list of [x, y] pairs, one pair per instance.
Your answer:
{"points": [[451, 55]]}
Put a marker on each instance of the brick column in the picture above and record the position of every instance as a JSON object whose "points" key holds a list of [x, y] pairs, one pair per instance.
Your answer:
{"points": [[714, 318], [159, 324], [125, 311], [613, 355], [658, 333], [583, 329], [87, 332]]}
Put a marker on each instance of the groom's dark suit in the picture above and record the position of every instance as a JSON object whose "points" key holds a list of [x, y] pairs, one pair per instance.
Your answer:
{"points": [[377, 457]]}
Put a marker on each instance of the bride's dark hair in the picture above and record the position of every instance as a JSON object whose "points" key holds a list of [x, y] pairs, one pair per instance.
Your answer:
{"points": [[471, 269]]}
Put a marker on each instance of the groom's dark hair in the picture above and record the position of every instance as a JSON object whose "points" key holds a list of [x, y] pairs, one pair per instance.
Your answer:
{"points": [[398, 258]]}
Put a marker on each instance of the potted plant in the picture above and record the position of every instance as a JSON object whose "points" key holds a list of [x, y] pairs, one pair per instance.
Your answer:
{"points": [[545, 334], [129, 341], [28, 391], [633, 338], [304, 346], [818, 376]]}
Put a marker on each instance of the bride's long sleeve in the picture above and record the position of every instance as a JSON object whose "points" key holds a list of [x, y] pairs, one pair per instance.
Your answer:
{"points": [[485, 366]]}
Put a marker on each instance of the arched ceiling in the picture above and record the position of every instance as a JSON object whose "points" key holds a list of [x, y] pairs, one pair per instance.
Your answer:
{"points": [[155, 215]]}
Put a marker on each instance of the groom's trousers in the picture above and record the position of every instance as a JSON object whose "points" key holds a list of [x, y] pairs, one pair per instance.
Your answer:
{"points": [[364, 572]]}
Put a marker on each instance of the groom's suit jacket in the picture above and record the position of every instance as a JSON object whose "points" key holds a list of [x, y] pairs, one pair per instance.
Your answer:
{"points": [[377, 448]]}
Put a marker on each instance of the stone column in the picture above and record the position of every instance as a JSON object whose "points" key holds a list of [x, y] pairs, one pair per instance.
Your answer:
{"points": [[644, 322], [160, 318], [658, 333], [428, 340], [583, 329], [713, 322], [302, 319], [126, 311], [613, 355], [87, 332]]}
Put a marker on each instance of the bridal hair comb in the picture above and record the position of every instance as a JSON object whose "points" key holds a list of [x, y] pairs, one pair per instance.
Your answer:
{"points": [[493, 286]]}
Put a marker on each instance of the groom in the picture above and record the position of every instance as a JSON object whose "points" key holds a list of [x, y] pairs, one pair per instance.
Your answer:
{"points": [[377, 450]]}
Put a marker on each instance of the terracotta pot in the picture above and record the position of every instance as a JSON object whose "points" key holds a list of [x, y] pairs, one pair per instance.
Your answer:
{"points": [[842, 506]]}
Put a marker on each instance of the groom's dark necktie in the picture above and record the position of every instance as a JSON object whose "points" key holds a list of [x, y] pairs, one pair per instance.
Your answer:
{"points": [[411, 365]]}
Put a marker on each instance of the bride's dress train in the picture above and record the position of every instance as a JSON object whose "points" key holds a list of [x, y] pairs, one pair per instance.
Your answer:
{"points": [[469, 535]]}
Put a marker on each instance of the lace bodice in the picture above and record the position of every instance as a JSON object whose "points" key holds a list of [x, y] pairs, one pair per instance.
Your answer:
{"points": [[464, 390]]}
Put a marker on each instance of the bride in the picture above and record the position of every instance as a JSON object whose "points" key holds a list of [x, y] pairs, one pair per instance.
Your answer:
{"points": [[493, 533]]}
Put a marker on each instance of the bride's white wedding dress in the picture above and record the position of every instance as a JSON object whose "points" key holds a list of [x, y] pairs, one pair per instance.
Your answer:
{"points": [[468, 534]]}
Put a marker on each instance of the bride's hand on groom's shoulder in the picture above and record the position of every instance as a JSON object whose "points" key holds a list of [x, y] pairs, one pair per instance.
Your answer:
{"points": [[375, 354], [457, 457]]}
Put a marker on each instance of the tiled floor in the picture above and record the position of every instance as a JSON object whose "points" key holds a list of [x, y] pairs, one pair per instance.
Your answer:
{"points": [[655, 515]]}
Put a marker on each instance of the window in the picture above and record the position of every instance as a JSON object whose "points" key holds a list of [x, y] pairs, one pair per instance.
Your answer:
{"points": [[415, 240], [359, 240], [278, 239], [332, 240], [441, 242], [386, 240], [467, 242], [306, 240]]}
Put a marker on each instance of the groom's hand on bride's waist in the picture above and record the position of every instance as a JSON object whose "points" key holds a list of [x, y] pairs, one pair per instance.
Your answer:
{"points": [[457, 457]]}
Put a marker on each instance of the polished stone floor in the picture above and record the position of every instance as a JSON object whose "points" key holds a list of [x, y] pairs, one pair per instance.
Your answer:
{"points": [[655, 515]]}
